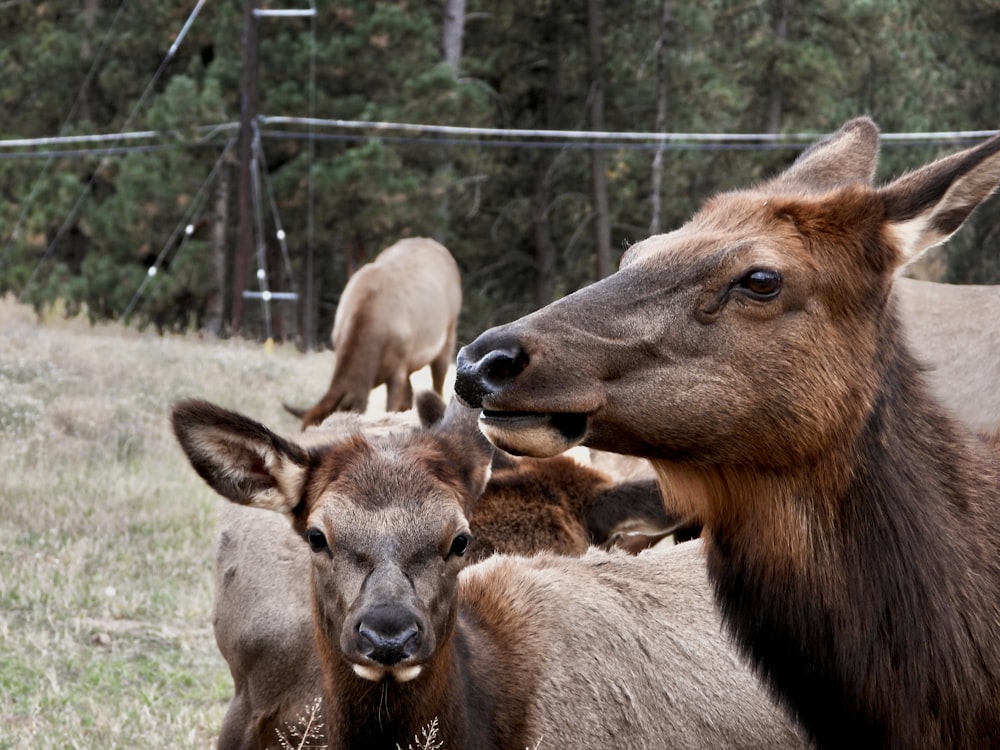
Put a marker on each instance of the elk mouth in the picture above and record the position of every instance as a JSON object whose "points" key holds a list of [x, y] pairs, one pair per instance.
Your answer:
{"points": [[538, 434]]}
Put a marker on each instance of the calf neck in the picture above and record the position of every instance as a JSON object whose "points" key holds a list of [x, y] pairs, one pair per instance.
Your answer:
{"points": [[755, 355]]}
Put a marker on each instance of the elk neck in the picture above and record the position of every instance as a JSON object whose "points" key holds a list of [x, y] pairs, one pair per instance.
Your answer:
{"points": [[852, 572]]}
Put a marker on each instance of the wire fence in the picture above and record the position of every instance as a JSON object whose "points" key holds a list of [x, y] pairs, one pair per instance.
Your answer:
{"points": [[305, 128]]}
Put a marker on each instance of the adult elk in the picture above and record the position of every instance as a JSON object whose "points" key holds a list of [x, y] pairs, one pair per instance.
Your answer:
{"points": [[607, 650], [755, 355], [396, 315]]}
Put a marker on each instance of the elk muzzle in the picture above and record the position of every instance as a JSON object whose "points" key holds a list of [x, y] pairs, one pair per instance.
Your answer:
{"points": [[388, 635], [384, 638], [490, 368]]}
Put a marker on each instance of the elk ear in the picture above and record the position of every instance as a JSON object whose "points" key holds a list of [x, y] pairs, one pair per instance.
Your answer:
{"points": [[460, 425], [430, 408], [926, 207], [847, 157], [239, 458]]}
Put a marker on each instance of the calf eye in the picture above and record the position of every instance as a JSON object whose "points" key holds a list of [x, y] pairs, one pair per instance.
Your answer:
{"points": [[459, 545], [760, 284], [316, 539]]}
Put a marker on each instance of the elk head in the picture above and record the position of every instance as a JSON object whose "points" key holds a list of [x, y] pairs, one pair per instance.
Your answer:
{"points": [[384, 518], [747, 336]]}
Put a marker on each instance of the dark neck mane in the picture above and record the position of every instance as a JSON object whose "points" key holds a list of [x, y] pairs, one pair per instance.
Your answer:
{"points": [[873, 630]]}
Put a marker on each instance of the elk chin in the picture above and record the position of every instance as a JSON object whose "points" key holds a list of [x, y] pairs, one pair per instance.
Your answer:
{"points": [[533, 433]]}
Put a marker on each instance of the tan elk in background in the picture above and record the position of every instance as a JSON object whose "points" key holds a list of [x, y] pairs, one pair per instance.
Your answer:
{"points": [[396, 315], [954, 330], [756, 356]]}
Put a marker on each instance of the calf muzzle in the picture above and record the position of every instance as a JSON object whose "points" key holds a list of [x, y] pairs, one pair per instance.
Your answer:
{"points": [[388, 636]]}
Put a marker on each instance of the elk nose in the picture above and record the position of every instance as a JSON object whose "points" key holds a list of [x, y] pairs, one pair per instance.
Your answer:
{"points": [[388, 636], [479, 375]]}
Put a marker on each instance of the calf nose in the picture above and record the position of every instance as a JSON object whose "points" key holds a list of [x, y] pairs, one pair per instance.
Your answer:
{"points": [[485, 366], [388, 636]]}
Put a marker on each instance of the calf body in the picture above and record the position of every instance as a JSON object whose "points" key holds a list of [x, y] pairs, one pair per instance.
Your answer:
{"points": [[756, 356], [603, 650], [396, 315]]}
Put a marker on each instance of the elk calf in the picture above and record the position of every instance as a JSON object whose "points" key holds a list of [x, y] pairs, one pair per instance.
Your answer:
{"points": [[757, 357], [607, 650], [262, 614]]}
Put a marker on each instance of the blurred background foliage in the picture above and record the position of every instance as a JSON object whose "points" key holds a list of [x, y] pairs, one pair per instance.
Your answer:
{"points": [[526, 219]]}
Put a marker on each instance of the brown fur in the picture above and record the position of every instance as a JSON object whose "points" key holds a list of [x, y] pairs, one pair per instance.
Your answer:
{"points": [[607, 650], [396, 315], [757, 357], [262, 613]]}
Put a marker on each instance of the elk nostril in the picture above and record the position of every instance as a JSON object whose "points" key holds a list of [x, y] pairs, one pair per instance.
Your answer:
{"points": [[499, 366], [474, 380]]}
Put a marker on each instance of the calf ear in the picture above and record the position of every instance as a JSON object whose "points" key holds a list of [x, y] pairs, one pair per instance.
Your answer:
{"points": [[926, 207], [239, 458], [459, 425], [459, 419]]}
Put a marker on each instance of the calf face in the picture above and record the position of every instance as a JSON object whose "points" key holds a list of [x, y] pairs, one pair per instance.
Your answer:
{"points": [[386, 558]]}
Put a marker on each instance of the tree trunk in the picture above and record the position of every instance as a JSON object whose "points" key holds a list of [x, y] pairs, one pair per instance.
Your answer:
{"points": [[90, 8], [598, 169], [780, 34], [662, 111], [454, 30], [545, 252], [354, 256], [214, 307], [541, 234]]}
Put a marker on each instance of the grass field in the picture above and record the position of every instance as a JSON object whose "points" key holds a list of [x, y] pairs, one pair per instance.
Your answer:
{"points": [[106, 533]]}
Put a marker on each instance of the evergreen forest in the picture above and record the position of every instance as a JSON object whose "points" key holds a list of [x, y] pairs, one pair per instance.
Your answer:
{"points": [[225, 165]]}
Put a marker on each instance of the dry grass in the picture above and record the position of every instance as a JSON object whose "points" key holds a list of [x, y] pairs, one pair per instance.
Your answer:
{"points": [[106, 533]]}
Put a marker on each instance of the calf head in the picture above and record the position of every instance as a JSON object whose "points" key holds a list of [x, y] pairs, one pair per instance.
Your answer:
{"points": [[748, 336], [384, 516]]}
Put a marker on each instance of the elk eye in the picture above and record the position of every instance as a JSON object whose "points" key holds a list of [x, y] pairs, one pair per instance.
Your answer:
{"points": [[760, 284], [459, 545], [316, 539]]}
